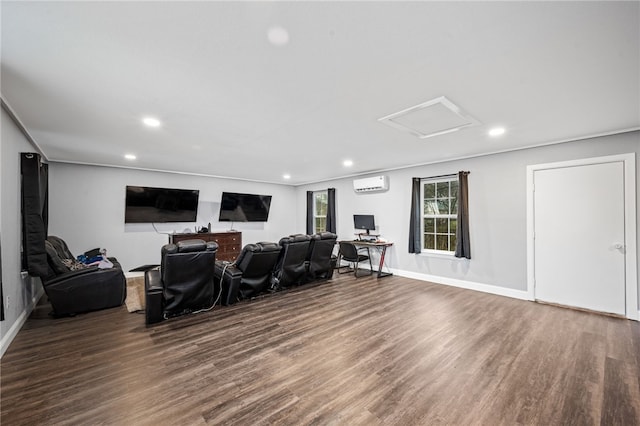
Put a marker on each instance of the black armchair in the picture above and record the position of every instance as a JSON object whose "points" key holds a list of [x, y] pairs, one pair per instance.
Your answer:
{"points": [[320, 259], [249, 275], [292, 264], [350, 253], [73, 288], [184, 283]]}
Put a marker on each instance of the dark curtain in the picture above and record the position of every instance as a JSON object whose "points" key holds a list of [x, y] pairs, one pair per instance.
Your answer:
{"points": [[414, 221], [309, 212], [463, 248], [331, 210], [35, 200], [44, 197], [1, 292]]}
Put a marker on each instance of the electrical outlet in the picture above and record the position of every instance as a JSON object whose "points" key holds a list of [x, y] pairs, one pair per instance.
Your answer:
{"points": [[8, 303]]}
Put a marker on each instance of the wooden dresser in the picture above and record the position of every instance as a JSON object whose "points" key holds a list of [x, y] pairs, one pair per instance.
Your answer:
{"points": [[229, 243]]}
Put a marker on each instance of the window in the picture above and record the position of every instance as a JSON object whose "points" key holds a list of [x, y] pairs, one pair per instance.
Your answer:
{"points": [[439, 214], [320, 202]]}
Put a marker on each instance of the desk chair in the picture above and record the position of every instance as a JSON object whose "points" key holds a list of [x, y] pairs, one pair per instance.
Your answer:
{"points": [[350, 253]]}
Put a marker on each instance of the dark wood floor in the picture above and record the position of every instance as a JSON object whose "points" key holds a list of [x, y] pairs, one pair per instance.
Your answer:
{"points": [[355, 352]]}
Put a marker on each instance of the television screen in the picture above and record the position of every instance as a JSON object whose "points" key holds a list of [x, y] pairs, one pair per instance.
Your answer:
{"points": [[236, 207], [147, 205], [364, 221]]}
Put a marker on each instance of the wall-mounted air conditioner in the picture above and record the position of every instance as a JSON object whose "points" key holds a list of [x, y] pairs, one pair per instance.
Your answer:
{"points": [[376, 183]]}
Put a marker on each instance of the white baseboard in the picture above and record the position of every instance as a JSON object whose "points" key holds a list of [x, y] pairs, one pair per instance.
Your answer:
{"points": [[469, 285], [22, 318]]}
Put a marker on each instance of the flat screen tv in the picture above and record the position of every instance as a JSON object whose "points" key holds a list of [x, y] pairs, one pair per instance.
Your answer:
{"points": [[148, 205], [236, 207], [364, 221]]}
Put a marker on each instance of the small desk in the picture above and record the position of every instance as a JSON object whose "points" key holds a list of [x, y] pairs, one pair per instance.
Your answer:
{"points": [[381, 247]]}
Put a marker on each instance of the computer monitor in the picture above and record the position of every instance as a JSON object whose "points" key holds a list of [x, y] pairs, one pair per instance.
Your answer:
{"points": [[364, 221]]}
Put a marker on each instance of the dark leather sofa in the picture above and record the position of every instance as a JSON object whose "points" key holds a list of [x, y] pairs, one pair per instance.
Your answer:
{"points": [[87, 289], [184, 283], [250, 274], [320, 262], [263, 267], [291, 268]]}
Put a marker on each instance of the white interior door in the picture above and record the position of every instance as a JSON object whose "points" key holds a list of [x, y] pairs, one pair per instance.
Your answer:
{"points": [[579, 236]]}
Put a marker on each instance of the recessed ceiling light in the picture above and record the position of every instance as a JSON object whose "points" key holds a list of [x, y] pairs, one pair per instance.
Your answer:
{"points": [[130, 156], [278, 36], [286, 176], [496, 131], [347, 163], [151, 122]]}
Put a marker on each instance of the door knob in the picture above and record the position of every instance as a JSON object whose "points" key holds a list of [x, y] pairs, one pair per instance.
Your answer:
{"points": [[619, 247]]}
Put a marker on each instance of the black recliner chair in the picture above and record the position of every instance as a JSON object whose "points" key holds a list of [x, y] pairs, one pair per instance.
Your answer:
{"points": [[321, 261], [250, 274], [72, 291], [291, 268], [184, 283]]}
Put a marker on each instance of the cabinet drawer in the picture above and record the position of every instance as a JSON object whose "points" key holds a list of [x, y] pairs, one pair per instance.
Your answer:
{"points": [[229, 249], [229, 243]]}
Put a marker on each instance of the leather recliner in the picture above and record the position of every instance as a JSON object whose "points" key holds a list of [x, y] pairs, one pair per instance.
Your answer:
{"points": [[184, 283], [250, 274], [321, 261], [291, 268], [81, 290]]}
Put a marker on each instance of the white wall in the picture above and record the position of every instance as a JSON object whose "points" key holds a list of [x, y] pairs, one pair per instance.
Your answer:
{"points": [[86, 209], [497, 208], [20, 292]]}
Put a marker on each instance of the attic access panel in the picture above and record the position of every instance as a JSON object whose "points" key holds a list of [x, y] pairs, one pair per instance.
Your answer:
{"points": [[432, 118]]}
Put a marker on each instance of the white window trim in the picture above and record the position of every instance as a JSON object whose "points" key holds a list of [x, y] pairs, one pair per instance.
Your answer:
{"points": [[315, 193], [433, 252], [438, 253]]}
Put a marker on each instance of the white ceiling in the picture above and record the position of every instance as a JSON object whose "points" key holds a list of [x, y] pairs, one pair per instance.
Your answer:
{"points": [[80, 76]]}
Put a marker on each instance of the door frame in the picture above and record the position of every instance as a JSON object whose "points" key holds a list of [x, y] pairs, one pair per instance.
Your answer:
{"points": [[630, 254]]}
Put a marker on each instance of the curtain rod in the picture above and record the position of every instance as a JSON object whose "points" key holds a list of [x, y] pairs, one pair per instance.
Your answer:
{"points": [[442, 176]]}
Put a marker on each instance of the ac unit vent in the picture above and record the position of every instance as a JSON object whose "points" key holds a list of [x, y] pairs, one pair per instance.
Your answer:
{"points": [[432, 118], [377, 183]]}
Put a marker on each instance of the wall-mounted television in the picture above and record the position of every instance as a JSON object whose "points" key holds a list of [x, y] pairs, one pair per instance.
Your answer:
{"points": [[235, 207], [148, 205], [364, 221]]}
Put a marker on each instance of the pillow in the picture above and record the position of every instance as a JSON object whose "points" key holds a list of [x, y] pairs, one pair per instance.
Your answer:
{"points": [[73, 264]]}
